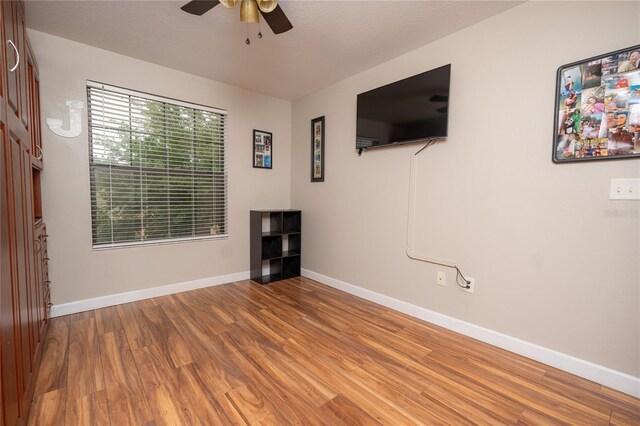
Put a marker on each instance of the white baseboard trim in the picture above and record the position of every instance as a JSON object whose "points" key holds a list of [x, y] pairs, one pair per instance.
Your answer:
{"points": [[589, 370], [147, 293]]}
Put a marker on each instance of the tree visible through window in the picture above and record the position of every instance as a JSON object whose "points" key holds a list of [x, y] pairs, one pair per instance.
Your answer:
{"points": [[158, 168]]}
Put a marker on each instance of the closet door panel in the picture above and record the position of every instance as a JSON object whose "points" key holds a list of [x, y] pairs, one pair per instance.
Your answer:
{"points": [[11, 57], [9, 309]]}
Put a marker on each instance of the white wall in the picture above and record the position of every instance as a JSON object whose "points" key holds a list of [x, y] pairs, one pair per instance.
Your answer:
{"points": [[76, 271], [556, 263]]}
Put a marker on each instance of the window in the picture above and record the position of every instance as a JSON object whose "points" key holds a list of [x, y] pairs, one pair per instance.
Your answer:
{"points": [[158, 168]]}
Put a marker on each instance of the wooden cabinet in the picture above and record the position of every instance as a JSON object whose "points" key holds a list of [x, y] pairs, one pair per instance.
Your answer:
{"points": [[41, 281], [11, 57], [275, 244], [33, 86], [24, 260]]}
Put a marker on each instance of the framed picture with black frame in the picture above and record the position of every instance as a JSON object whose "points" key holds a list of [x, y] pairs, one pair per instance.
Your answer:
{"points": [[317, 149], [262, 149], [597, 108]]}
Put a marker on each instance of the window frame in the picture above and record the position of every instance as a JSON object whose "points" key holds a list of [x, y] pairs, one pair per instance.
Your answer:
{"points": [[144, 170]]}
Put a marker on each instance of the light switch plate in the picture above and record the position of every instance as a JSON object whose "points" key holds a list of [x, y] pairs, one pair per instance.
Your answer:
{"points": [[624, 189]]}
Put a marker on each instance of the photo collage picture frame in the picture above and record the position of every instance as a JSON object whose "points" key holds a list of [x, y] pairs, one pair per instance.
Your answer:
{"points": [[317, 149], [262, 149], [597, 111]]}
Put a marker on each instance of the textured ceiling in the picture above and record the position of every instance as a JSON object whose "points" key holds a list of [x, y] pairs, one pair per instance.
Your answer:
{"points": [[330, 41]]}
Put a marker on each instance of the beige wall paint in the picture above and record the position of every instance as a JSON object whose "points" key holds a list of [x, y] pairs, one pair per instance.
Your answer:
{"points": [[556, 263], [77, 272]]}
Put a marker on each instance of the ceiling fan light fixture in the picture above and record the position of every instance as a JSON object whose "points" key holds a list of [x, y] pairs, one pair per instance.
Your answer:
{"points": [[229, 4], [249, 12], [267, 5]]}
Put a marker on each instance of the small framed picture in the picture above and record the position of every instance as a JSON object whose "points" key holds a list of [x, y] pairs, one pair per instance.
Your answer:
{"points": [[597, 108], [262, 149], [317, 149]]}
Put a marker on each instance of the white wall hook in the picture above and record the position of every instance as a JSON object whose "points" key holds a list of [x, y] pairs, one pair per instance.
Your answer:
{"points": [[75, 124]]}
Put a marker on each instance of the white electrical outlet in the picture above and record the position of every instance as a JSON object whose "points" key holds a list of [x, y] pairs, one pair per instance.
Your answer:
{"points": [[472, 285], [441, 278], [624, 189]]}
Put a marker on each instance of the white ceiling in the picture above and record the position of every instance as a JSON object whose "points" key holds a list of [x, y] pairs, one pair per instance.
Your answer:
{"points": [[330, 40]]}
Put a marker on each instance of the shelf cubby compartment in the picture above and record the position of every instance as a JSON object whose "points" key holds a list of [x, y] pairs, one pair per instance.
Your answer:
{"points": [[271, 247], [291, 244], [291, 222], [271, 223], [271, 271], [290, 266]]}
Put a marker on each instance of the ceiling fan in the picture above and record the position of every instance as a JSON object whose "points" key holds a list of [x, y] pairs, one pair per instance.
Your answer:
{"points": [[250, 11]]}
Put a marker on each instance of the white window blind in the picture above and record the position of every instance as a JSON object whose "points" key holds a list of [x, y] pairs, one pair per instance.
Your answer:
{"points": [[158, 168]]}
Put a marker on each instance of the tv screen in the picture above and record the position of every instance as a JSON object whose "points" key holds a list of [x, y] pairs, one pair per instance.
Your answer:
{"points": [[408, 110]]}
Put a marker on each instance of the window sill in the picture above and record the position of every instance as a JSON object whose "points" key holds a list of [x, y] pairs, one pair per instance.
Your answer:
{"points": [[139, 244]]}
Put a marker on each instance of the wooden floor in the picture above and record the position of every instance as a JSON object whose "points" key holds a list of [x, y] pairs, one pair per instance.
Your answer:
{"points": [[295, 352]]}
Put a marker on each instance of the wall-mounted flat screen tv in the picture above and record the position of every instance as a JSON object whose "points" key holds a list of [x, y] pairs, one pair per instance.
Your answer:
{"points": [[409, 110]]}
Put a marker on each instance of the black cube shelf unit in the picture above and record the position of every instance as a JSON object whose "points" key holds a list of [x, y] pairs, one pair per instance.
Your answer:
{"points": [[275, 245]]}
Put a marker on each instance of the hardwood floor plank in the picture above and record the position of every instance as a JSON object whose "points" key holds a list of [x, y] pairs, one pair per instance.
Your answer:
{"points": [[160, 384], [48, 409], [53, 367], [200, 313], [542, 392], [135, 327], [220, 368], [534, 418], [619, 418], [344, 382], [468, 408], [410, 404], [347, 412], [222, 315], [290, 405], [438, 340], [213, 407], [252, 404], [593, 398], [371, 313], [84, 374], [462, 385], [295, 352], [166, 407], [193, 331], [125, 395], [387, 348], [91, 409], [291, 376], [167, 336], [81, 316], [108, 319], [331, 317], [532, 396], [623, 401]]}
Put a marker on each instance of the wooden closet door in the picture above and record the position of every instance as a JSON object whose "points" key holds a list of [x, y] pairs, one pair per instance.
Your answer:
{"points": [[29, 255], [23, 83], [20, 278], [11, 56], [8, 292]]}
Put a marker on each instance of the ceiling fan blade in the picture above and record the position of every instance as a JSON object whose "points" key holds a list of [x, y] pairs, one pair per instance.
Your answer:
{"points": [[199, 7], [277, 20]]}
